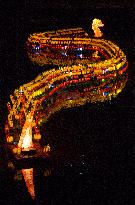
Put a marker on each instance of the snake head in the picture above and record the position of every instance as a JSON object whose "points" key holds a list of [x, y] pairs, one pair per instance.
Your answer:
{"points": [[95, 26], [97, 23]]}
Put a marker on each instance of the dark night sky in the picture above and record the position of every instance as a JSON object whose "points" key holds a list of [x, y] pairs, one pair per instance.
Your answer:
{"points": [[71, 3]]}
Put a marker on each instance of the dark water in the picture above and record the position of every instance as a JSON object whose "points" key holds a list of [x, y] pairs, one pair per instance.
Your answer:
{"points": [[93, 159]]}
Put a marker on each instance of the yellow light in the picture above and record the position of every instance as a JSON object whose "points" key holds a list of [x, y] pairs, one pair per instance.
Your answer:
{"points": [[47, 148], [118, 91], [118, 66], [95, 26], [37, 136], [10, 139]]}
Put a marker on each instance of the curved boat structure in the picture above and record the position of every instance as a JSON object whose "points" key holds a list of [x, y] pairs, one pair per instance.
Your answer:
{"points": [[83, 70]]}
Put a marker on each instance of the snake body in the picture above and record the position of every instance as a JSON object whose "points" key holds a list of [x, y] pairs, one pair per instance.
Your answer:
{"points": [[83, 69]]}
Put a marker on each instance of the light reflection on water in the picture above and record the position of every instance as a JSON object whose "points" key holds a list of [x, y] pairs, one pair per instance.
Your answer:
{"points": [[31, 177], [28, 177]]}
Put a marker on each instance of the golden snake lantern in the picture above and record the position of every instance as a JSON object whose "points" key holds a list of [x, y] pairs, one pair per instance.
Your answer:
{"points": [[82, 69]]}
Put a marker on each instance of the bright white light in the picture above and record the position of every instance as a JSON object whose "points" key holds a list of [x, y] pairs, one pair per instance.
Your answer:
{"points": [[81, 56], [51, 86], [80, 49], [21, 91], [27, 141], [65, 54]]}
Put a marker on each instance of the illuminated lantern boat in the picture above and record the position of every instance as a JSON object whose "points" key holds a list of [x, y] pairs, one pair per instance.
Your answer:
{"points": [[86, 70]]}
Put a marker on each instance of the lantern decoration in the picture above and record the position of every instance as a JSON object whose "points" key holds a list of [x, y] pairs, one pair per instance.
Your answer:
{"points": [[88, 70]]}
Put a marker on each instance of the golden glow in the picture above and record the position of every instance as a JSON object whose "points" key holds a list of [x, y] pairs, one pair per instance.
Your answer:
{"points": [[95, 26], [91, 79], [47, 148], [37, 136], [25, 141]]}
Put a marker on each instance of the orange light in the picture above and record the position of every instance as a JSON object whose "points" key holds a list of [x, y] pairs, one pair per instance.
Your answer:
{"points": [[28, 177], [25, 141], [95, 26]]}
